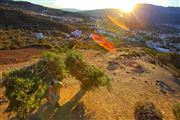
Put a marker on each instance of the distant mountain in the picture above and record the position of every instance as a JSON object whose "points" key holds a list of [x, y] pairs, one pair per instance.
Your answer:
{"points": [[102, 12], [71, 10], [147, 15]]}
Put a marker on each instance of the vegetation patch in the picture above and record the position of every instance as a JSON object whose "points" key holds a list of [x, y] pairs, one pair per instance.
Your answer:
{"points": [[90, 76], [171, 59], [25, 88]]}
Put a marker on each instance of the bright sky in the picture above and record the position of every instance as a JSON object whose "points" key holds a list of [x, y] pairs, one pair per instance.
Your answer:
{"points": [[98, 4]]}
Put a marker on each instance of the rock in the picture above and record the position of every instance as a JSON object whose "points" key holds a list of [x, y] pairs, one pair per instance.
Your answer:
{"points": [[146, 81], [139, 69], [164, 87], [112, 65]]}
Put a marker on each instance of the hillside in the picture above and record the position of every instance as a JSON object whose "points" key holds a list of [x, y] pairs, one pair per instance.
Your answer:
{"points": [[35, 8], [157, 14], [20, 19]]}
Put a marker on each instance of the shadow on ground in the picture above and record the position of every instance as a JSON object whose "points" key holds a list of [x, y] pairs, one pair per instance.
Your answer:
{"points": [[72, 110]]}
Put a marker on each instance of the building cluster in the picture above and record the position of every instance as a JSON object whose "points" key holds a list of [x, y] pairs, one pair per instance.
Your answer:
{"points": [[62, 19], [160, 42]]}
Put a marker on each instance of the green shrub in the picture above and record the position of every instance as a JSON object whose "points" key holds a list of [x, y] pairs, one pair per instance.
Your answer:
{"points": [[90, 76], [25, 89], [56, 65], [94, 78], [147, 111], [176, 111]]}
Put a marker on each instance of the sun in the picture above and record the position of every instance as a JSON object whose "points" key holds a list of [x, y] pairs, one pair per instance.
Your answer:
{"points": [[127, 6]]}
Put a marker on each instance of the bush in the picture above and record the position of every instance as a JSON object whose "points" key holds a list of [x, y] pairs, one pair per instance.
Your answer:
{"points": [[94, 78], [25, 89], [90, 76], [147, 111], [56, 65], [176, 111]]}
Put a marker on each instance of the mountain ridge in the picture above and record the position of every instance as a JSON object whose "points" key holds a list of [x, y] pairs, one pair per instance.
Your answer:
{"points": [[28, 6]]}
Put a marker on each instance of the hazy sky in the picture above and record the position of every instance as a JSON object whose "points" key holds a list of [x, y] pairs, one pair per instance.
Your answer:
{"points": [[98, 4]]}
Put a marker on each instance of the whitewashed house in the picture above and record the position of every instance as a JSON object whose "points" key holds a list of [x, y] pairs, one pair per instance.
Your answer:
{"points": [[76, 33], [39, 36], [156, 45]]}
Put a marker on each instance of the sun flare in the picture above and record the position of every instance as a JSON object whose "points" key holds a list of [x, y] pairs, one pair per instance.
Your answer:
{"points": [[127, 6]]}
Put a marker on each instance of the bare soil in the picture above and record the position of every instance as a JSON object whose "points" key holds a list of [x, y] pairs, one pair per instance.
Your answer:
{"points": [[19, 55]]}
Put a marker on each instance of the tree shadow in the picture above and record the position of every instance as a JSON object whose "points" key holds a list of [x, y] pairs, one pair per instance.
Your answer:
{"points": [[72, 110]]}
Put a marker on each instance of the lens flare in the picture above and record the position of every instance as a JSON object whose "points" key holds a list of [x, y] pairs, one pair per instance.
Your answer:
{"points": [[119, 23], [102, 41]]}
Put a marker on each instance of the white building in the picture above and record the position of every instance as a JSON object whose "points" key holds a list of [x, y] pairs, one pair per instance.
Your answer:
{"points": [[39, 35], [156, 45], [76, 33]]}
